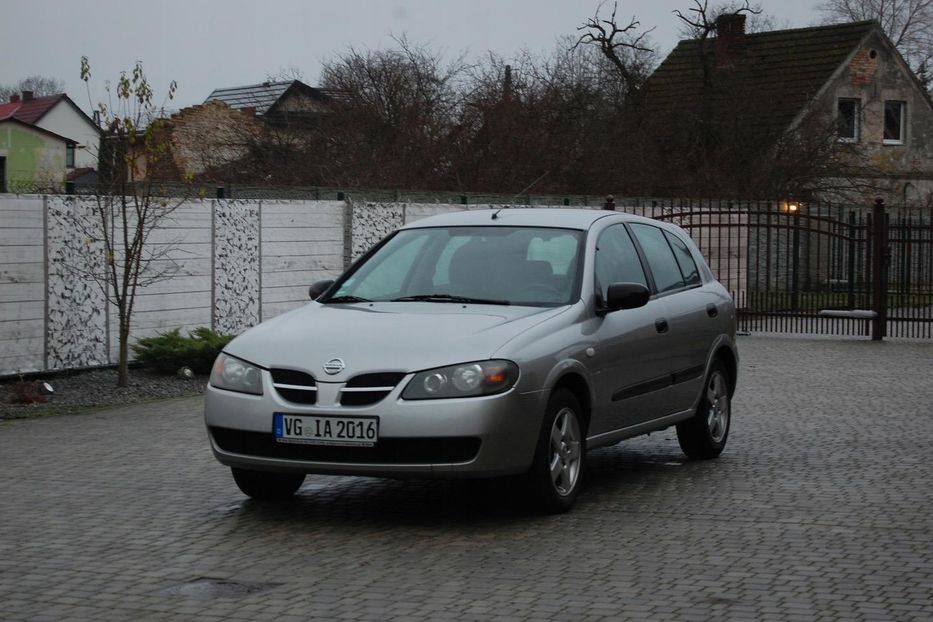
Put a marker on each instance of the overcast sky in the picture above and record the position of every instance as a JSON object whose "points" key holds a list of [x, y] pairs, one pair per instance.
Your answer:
{"points": [[205, 45]]}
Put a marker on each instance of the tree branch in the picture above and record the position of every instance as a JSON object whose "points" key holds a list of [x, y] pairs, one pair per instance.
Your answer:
{"points": [[603, 33]]}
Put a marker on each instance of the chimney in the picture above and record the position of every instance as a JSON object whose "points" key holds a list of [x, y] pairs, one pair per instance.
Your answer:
{"points": [[27, 95], [730, 38], [14, 99], [507, 84]]}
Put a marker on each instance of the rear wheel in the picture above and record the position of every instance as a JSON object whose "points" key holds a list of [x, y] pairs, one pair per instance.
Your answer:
{"points": [[266, 485], [557, 471], [704, 435]]}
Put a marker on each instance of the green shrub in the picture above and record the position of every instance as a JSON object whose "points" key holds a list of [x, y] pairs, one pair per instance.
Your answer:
{"points": [[169, 351]]}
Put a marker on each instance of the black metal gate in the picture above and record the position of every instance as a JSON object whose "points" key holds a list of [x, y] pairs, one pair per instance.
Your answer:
{"points": [[816, 268]]}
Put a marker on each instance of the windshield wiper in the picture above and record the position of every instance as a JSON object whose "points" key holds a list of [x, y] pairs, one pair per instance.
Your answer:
{"points": [[339, 299], [450, 298]]}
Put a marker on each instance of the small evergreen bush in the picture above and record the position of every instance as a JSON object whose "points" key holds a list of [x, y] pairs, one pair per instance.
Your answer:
{"points": [[170, 351]]}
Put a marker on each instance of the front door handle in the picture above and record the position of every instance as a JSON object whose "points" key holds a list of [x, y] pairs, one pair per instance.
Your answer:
{"points": [[711, 310], [661, 325]]}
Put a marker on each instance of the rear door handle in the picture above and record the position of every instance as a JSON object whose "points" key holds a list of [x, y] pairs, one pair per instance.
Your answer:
{"points": [[661, 325], [711, 310]]}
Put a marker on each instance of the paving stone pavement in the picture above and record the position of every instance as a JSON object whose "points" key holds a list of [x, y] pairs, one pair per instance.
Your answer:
{"points": [[821, 508]]}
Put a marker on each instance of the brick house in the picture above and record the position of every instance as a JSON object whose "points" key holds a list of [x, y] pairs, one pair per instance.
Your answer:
{"points": [[829, 112]]}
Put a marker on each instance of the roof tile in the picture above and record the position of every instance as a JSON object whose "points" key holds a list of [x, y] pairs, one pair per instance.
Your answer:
{"points": [[32, 110], [780, 71], [259, 96]]}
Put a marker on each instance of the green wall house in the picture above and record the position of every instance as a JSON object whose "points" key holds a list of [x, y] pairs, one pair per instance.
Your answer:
{"points": [[32, 159]]}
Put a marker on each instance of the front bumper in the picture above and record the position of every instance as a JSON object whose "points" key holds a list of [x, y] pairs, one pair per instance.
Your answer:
{"points": [[469, 437]]}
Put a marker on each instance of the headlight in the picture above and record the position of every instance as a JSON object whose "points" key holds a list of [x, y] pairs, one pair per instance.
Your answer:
{"points": [[232, 374], [466, 380]]}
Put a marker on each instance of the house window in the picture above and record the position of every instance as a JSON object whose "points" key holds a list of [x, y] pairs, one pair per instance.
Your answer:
{"points": [[69, 156], [894, 122], [848, 122]]}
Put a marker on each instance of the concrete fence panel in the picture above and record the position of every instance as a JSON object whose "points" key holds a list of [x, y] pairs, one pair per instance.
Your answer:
{"points": [[22, 284]]}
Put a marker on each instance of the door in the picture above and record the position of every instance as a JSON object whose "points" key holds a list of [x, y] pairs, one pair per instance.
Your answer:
{"points": [[630, 362], [690, 310]]}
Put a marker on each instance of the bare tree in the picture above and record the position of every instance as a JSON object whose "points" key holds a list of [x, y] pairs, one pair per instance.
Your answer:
{"points": [[392, 111], [628, 50], [127, 206], [39, 85], [908, 23], [541, 123]]}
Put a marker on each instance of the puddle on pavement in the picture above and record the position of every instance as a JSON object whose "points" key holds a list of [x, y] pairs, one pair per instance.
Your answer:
{"points": [[207, 588]]}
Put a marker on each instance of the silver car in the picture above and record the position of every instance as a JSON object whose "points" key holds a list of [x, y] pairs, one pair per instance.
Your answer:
{"points": [[480, 344]]}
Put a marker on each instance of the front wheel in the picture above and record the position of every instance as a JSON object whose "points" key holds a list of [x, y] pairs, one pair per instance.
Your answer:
{"points": [[266, 485], [557, 471], [704, 435]]}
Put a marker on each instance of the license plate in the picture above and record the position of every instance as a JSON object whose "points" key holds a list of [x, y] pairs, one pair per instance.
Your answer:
{"points": [[313, 430]]}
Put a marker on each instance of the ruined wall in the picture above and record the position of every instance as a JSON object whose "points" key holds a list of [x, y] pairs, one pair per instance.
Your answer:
{"points": [[210, 135]]}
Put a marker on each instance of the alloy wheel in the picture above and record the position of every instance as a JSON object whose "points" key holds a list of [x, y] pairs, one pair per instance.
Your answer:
{"points": [[717, 398], [565, 451]]}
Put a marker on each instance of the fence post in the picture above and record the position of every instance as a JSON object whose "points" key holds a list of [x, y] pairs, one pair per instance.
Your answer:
{"points": [[879, 271], [795, 265], [850, 273]]}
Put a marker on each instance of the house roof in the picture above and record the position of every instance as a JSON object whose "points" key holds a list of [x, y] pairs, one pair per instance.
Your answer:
{"points": [[776, 72], [33, 110], [36, 128], [258, 96], [263, 97]]}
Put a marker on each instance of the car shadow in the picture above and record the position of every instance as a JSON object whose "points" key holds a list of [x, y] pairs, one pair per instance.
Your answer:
{"points": [[614, 477]]}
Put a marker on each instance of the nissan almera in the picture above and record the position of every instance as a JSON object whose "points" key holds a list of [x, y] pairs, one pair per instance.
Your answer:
{"points": [[482, 344]]}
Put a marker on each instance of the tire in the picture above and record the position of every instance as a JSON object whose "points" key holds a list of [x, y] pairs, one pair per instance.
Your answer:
{"points": [[704, 435], [266, 485], [557, 471]]}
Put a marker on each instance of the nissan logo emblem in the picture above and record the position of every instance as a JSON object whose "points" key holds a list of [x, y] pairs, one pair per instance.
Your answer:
{"points": [[334, 366]]}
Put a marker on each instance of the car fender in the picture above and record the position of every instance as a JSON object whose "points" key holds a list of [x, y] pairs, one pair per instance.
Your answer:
{"points": [[723, 341], [564, 368]]}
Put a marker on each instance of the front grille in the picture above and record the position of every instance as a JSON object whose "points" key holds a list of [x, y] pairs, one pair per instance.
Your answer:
{"points": [[441, 450], [369, 388], [294, 386]]}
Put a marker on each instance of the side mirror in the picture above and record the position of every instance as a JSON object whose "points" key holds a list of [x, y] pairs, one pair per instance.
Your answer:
{"points": [[319, 288], [626, 296]]}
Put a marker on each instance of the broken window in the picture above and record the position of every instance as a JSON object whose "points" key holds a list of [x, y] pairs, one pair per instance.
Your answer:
{"points": [[847, 120], [894, 117]]}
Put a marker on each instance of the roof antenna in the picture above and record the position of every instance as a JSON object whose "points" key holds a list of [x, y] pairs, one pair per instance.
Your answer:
{"points": [[496, 215]]}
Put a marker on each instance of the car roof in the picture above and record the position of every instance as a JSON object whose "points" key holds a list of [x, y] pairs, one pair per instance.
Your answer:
{"points": [[524, 217]]}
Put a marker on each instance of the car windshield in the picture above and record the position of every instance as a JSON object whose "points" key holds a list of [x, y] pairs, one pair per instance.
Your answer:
{"points": [[533, 266]]}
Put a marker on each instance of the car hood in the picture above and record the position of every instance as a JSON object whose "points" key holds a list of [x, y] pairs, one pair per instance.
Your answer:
{"points": [[377, 337]]}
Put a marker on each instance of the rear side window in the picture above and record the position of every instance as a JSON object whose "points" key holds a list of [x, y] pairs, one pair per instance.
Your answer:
{"points": [[688, 267], [661, 261], [617, 260]]}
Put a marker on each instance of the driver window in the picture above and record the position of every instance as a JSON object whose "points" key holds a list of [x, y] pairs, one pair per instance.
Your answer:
{"points": [[616, 260]]}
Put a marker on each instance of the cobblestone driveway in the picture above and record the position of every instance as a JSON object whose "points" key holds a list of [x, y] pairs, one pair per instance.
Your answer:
{"points": [[820, 508]]}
